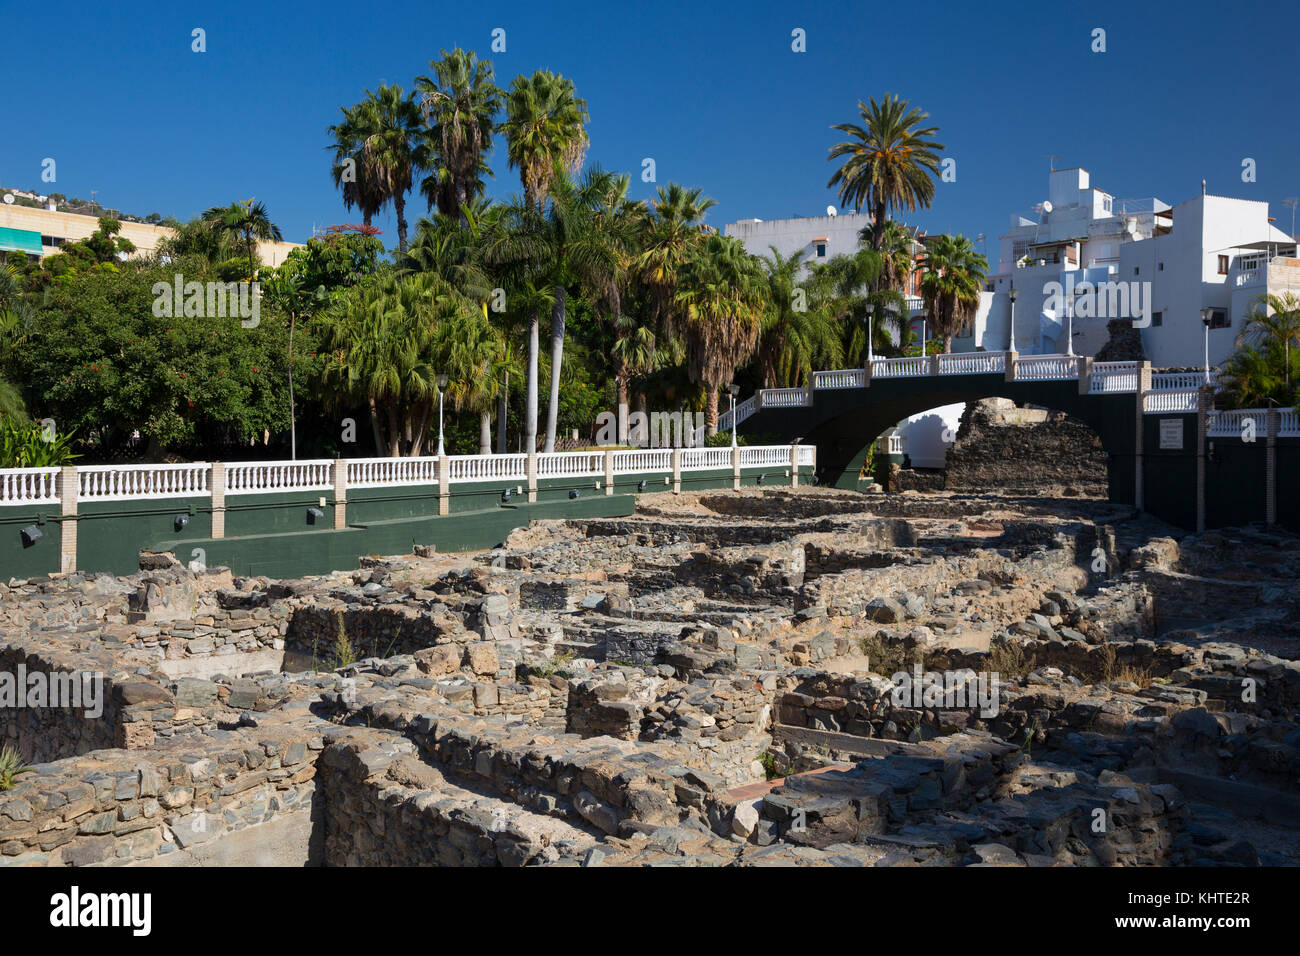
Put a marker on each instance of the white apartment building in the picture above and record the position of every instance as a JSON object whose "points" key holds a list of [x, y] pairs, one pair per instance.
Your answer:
{"points": [[1210, 252], [820, 238]]}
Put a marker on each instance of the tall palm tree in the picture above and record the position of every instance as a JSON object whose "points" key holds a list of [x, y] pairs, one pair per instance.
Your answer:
{"points": [[1252, 375], [890, 161], [384, 135], [545, 131], [1274, 322], [352, 156], [672, 233], [720, 293], [950, 287], [470, 352], [247, 218], [460, 102]]}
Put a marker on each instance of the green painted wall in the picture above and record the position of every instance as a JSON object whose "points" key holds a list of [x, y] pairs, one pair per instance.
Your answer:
{"points": [[42, 557]]}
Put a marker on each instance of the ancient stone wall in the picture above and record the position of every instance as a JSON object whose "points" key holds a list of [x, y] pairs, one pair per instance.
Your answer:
{"points": [[991, 453]]}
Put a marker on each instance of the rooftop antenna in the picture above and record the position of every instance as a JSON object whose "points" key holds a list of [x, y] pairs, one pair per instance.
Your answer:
{"points": [[1291, 202], [1202, 187], [1051, 161]]}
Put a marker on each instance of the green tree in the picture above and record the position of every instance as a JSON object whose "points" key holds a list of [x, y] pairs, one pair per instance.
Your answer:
{"points": [[247, 218], [797, 335], [890, 161], [950, 287], [460, 102], [1275, 324], [721, 295], [545, 131]]}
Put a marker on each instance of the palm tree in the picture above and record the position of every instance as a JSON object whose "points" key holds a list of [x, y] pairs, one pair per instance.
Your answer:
{"points": [[381, 340], [351, 155], [890, 161], [672, 233], [545, 131], [720, 294], [794, 340], [1251, 377], [950, 287], [460, 103], [385, 137], [1275, 322], [247, 218]]}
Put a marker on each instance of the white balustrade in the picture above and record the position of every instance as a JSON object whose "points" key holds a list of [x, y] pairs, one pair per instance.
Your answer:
{"points": [[1288, 425], [488, 467], [1181, 381], [758, 456], [1112, 377], [570, 464], [268, 477], [699, 459], [839, 378], [389, 472], [1233, 424], [972, 363], [785, 397], [643, 460], [913, 366], [29, 486], [122, 482], [1045, 368], [1154, 403], [807, 454]]}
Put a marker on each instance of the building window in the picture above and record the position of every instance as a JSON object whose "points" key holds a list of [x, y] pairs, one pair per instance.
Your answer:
{"points": [[1162, 267], [1219, 317], [821, 250], [1223, 265], [1137, 271], [1157, 318]]}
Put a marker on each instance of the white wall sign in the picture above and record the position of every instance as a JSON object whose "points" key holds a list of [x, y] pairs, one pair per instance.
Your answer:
{"points": [[1171, 433]]}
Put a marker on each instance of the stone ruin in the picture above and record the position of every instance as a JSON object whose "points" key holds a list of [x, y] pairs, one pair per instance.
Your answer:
{"points": [[711, 681]]}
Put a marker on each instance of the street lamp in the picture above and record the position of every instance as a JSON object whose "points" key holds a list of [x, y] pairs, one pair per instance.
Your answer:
{"points": [[442, 384], [1069, 330], [1011, 339], [1206, 316], [732, 392]]}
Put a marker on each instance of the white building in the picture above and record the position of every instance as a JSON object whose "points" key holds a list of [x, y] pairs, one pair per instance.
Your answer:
{"points": [[1085, 258], [820, 238]]}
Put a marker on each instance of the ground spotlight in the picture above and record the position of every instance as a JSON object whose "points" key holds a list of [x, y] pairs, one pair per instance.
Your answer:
{"points": [[641, 485], [180, 521], [30, 535], [314, 514], [573, 493], [507, 495]]}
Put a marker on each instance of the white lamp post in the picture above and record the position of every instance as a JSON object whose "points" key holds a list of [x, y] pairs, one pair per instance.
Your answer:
{"points": [[732, 392], [442, 384], [922, 335], [1011, 338], [1069, 331], [1206, 316]]}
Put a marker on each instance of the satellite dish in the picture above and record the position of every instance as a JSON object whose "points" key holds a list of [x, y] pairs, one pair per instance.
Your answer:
{"points": [[1047, 206], [9, 198], [830, 211]]}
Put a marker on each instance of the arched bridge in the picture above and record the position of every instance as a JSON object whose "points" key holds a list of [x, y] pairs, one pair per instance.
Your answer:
{"points": [[845, 410]]}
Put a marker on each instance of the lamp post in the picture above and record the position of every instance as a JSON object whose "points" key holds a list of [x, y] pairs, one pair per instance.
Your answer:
{"points": [[1069, 329], [442, 384], [1011, 338], [1206, 316], [732, 392], [923, 335]]}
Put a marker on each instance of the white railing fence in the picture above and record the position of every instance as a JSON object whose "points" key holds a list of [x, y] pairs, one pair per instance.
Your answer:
{"points": [[1167, 402], [266, 477], [120, 482], [487, 467], [387, 472], [29, 486]]}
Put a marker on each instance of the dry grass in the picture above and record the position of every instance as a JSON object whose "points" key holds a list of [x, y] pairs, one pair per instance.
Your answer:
{"points": [[1009, 660], [1112, 670]]}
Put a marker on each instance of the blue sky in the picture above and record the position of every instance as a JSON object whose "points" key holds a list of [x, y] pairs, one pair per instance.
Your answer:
{"points": [[711, 91]]}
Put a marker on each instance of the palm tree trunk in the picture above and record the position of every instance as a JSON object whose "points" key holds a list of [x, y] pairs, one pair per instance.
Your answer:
{"points": [[530, 414], [293, 425], [711, 410], [394, 432], [878, 225], [485, 432], [557, 358], [502, 410], [375, 428], [248, 238], [621, 380], [422, 429], [399, 206]]}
